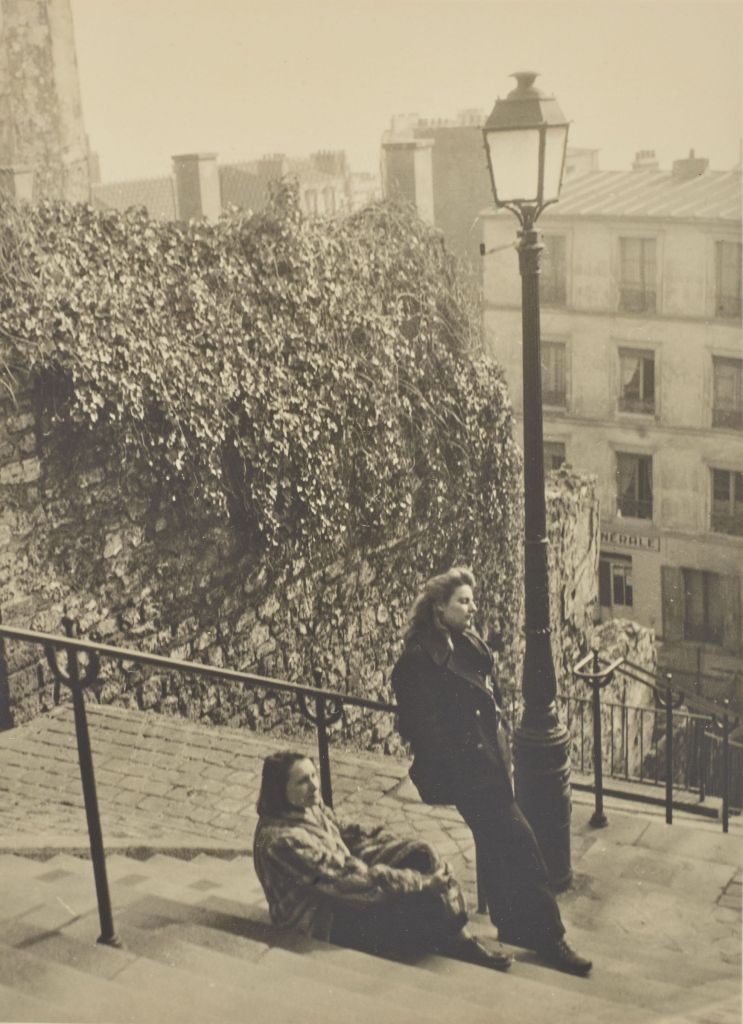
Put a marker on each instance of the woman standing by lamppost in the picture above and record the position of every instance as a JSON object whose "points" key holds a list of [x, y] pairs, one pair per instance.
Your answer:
{"points": [[448, 712]]}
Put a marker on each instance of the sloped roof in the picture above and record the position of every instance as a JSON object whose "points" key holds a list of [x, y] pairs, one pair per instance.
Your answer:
{"points": [[714, 195], [156, 194]]}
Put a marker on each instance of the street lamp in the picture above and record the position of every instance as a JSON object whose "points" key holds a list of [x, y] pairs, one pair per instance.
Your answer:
{"points": [[525, 140]]}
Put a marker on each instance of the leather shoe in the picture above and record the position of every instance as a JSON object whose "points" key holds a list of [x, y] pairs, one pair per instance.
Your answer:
{"points": [[560, 955], [471, 951]]}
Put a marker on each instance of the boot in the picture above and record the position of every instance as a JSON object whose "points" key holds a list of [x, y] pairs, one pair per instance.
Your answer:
{"points": [[560, 955], [467, 948]]}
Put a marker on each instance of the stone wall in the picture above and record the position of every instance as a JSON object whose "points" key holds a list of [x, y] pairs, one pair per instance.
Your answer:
{"points": [[80, 537]]}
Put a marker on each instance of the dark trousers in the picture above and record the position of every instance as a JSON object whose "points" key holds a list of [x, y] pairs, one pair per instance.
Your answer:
{"points": [[404, 928], [520, 899]]}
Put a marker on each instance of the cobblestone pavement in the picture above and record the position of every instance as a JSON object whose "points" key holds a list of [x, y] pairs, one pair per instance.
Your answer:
{"points": [[166, 783], [162, 781]]}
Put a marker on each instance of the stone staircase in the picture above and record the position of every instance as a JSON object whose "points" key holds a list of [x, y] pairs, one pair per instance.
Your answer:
{"points": [[198, 946]]}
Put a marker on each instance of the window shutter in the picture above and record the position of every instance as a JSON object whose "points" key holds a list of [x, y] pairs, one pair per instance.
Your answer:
{"points": [[672, 591], [731, 627], [604, 585]]}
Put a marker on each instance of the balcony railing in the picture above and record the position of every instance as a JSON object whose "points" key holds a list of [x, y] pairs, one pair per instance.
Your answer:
{"points": [[636, 508], [555, 397], [636, 300], [639, 405], [732, 419], [729, 306], [727, 522]]}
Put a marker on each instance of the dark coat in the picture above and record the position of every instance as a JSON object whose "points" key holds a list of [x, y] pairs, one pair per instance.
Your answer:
{"points": [[448, 713]]}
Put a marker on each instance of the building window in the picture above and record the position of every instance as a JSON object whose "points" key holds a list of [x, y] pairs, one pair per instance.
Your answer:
{"points": [[727, 392], [636, 381], [615, 583], [728, 270], [634, 485], [703, 606], [554, 454], [553, 373], [727, 502], [552, 277], [637, 275]]}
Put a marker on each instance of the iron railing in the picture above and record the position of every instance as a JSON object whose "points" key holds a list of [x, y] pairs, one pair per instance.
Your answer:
{"points": [[319, 706], [713, 765]]}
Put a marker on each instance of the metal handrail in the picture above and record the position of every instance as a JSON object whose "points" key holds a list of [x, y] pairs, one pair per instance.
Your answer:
{"points": [[214, 672], [711, 707]]}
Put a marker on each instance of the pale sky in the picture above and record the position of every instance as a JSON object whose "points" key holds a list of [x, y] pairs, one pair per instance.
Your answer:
{"points": [[246, 77]]}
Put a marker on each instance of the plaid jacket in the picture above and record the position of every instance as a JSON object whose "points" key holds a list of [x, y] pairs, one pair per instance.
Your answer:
{"points": [[308, 863]]}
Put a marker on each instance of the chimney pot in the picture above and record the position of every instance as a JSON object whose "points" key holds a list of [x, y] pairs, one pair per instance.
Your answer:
{"points": [[692, 167], [197, 186]]}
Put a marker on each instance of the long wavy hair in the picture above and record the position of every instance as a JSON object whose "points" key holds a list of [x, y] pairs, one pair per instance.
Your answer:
{"points": [[272, 801], [436, 591]]}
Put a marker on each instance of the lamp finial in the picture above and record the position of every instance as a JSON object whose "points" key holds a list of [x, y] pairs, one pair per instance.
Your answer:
{"points": [[525, 83]]}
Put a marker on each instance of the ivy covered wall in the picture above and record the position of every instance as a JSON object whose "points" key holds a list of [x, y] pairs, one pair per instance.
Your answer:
{"points": [[246, 444]]}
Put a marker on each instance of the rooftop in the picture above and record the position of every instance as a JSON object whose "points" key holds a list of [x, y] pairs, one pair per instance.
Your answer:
{"points": [[713, 195]]}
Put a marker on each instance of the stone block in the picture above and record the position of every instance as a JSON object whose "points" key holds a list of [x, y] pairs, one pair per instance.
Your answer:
{"points": [[22, 421], [269, 608], [113, 545], [11, 474]]}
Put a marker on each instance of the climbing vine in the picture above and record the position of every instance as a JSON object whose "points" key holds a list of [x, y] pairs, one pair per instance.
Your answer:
{"points": [[319, 382]]}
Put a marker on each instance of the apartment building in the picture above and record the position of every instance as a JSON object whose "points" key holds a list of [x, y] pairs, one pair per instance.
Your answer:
{"points": [[642, 380]]}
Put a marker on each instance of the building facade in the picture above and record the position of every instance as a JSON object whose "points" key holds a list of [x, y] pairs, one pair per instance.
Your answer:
{"points": [[642, 381]]}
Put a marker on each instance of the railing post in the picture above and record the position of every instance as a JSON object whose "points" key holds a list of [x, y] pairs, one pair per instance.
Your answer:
{"points": [[598, 818], [87, 777], [6, 715], [702, 754], [482, 897], [669, 752], [323, 752], [725, 774]]}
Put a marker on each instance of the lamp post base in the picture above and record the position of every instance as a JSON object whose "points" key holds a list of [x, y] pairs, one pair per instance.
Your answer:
{"points": [[541, 754]]}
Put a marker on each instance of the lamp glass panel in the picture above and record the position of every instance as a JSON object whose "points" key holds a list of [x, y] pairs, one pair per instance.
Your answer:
{"points": [[555, 141], [514, 158]]}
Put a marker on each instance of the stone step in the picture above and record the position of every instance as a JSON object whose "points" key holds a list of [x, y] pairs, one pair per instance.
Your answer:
{"points": [[20, 1007], [41, 969], [312, 978], [527, 980], [617, 956], [157, 960], [649, 960], [220, 908], [425, 987]]}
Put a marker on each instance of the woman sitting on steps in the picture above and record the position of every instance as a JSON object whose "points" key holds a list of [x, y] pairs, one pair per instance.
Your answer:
{"points": [[353, 885]]}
